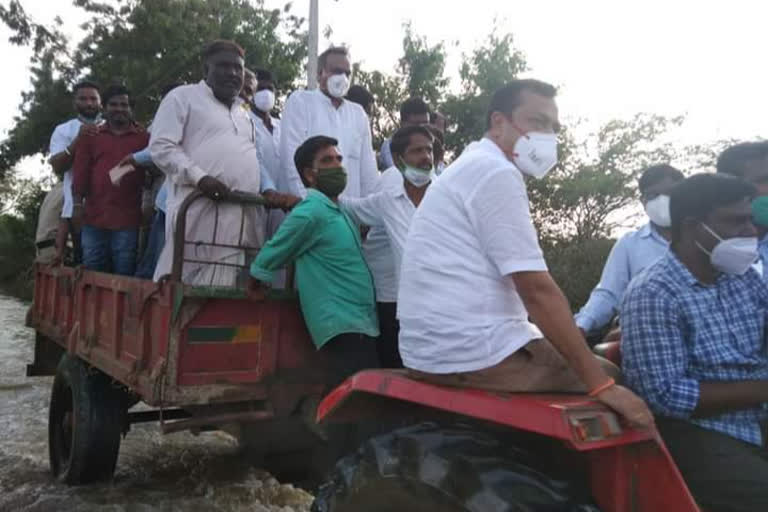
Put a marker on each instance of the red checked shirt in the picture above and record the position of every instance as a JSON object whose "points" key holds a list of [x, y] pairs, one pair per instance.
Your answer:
{"points": [[108, 206]]}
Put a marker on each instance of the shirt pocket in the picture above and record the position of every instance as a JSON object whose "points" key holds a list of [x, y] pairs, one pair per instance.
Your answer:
{"points": [[351, 150]]}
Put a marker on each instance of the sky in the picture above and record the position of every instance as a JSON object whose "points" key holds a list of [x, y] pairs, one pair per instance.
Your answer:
{"points": [[611, 59]]}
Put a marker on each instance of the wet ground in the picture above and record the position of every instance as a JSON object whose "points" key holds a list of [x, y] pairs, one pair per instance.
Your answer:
{"points": [[177, 472]]}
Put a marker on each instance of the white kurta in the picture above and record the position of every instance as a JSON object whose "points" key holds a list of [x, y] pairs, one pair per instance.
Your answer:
{"points": [[310, 113], [195, 135]]}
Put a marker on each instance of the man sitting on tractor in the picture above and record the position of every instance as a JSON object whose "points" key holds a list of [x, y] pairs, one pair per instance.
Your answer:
{"points": [[335, 285], [473, 272], [694, 344]]}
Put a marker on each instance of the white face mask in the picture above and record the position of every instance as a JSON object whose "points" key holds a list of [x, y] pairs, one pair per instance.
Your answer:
{"points": [[338, 85], [417, 177], [264, 100], [657, 210], [732, 256], [536, 153]]}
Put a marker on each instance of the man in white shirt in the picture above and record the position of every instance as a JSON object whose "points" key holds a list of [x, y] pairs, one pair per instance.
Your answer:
{"points": [[392, 209], [203, 138], [324, 111], [62, 149], [473, 272]]}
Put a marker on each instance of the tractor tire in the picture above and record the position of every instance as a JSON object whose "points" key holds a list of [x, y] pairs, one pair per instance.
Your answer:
{"points": [[85, 422], [426, 468]]}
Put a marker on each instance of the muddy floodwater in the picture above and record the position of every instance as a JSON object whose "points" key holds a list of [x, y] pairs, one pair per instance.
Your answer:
{"points": [[154, 472]]}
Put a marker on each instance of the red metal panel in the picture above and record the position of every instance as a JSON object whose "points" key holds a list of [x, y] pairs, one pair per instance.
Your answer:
{"points": [[640, 477], [540, 413], [282, 340]]}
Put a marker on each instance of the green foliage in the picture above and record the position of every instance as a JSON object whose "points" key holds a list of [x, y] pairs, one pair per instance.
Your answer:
{"points": [[420, 74], [576, 266], [597, 178], [146, 45], [490, 66], [18, 224], [422, 66]]}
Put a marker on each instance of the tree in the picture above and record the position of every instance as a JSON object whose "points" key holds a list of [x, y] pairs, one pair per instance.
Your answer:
{"points": [[422, 67], [597, 178], [420, 73], [146, 45], [489, 67]]}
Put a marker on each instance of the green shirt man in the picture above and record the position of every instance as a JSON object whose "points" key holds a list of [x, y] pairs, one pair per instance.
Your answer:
{"points": [[335, 286]]}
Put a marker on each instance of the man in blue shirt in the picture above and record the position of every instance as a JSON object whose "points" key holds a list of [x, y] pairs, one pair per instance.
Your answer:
{"points": [[634, 251], [749, 161], [694, 344]]}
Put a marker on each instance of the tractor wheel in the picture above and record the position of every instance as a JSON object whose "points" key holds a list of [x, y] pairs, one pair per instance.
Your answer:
{"points": [[430, 468], [84, 425]]}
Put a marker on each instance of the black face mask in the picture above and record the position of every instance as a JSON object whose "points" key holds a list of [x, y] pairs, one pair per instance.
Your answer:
{"points": [[332, 181]]}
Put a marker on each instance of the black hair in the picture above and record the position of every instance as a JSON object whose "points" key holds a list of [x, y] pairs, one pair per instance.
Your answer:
{"points": [[402, 138], [333, 50], [656, 173], [112, 91], [701, 194], [507, 99], [222, 45], [413, 106], [735, 159], [360, 95], [263, 75], [305, 154], [85, 84]]}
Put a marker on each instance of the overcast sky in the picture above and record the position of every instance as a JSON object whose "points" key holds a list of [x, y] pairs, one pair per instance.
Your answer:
{"points": [[612, 59]]}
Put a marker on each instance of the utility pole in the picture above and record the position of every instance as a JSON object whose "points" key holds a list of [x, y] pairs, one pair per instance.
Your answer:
{"points": [[314, 35]]}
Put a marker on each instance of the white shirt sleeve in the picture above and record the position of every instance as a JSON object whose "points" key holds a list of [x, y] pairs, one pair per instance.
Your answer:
{"points": [[368, 210], [293, 132], [165, 142], [59, 141], [499, 212], [369, 172]]}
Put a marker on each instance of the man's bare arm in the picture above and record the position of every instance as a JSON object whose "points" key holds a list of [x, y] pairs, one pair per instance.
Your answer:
{"points": [[549, 309]]}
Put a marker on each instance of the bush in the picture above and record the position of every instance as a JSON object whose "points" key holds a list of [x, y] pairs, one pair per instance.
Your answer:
{"points": [[576, 266]]}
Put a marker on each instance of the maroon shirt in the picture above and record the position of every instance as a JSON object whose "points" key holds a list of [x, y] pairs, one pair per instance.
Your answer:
{"points": [[108, 206]]}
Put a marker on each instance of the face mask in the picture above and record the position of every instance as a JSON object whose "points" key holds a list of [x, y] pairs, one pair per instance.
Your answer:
{"points": [[732, 256], [536, 153], [264, 100], [331, 182], [760, 211], [657, 210], [439, 168], [417, 177], [338, 85]]}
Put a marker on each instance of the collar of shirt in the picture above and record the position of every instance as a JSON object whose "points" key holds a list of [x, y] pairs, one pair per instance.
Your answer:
{"points": [[237, 103], [649, 231], [319, 196], [133, 128], [328, 100], [683, 274]]}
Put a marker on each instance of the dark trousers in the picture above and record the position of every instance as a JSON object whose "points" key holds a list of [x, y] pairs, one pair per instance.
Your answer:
{"points": [[348, 353], [723, 473], [107, 250], [146, 267], [389, 328]]}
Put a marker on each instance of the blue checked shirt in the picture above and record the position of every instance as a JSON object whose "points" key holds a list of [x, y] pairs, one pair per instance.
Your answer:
{"points": [[677, 332]]}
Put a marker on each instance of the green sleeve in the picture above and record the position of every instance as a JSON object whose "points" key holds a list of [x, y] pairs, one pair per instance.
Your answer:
{"points": [[296, 234]]}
